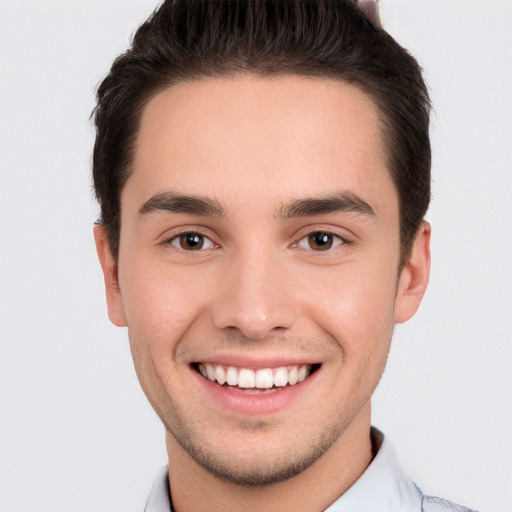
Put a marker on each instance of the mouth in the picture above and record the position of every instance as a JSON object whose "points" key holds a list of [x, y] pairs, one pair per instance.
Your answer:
{"points": [[256, 380]]}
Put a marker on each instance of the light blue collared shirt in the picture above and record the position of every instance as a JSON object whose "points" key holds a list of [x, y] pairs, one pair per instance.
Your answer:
{"points": [[383, 487]]}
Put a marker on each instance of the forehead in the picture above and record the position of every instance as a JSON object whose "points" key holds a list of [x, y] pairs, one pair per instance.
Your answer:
{"points": [[246, 138]]}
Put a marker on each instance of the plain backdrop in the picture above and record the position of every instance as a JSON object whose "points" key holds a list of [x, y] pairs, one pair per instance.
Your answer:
{"points": [[76, 433]]}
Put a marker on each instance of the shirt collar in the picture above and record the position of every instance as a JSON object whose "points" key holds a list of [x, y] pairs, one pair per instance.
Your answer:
{"points": [[160, 498], [383, 486]]}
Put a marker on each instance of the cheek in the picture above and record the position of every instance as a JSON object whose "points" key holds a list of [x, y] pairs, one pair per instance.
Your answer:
{"points": [[357, 311], [160, 305]]}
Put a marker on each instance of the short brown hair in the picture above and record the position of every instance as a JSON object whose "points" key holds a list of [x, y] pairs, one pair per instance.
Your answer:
{"points": [[186, 40]]}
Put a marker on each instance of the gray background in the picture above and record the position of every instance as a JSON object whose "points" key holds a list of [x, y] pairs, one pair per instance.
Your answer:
{"points": [[76, 433]]}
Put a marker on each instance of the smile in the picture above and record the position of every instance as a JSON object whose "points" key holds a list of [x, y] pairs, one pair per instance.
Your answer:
{"points": [[262, 378]]}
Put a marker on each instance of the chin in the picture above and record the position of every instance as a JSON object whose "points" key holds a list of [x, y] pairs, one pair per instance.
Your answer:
{"points": [[257, 463]]}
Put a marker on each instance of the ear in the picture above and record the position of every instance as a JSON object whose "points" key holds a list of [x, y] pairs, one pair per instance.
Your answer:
{"points": [[109, 266], [414, 277]]}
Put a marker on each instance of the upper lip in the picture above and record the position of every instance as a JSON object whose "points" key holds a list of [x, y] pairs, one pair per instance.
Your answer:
{"points": [[245, 360]]}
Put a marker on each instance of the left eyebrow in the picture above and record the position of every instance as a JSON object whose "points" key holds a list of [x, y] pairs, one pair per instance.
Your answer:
{"points": [[176, 202], [343, 201]]}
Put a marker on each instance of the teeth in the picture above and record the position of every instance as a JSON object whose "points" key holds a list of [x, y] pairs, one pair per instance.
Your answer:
{"points": [[263, 378], [292, 376], [210, 373], [219, 375], [246, 378], [281, 377], [232, 376]]}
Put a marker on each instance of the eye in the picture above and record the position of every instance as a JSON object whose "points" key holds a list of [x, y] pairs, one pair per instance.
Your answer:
{"points": [[320, 241], [191, 241]]}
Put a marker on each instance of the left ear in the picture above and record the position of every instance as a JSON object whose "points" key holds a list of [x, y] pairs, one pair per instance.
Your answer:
{"points": [[414, 277], [108, 263]]}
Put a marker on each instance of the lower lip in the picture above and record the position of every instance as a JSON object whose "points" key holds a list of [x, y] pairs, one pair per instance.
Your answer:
{"points": [[253, 403]]}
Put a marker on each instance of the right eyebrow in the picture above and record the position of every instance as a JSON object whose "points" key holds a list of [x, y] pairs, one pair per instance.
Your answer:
{"points": [[176, 202], [341, 201]]}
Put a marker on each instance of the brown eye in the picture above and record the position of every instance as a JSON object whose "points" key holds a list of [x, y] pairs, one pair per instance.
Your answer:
{"points": [[320, 241], [191, 242]]}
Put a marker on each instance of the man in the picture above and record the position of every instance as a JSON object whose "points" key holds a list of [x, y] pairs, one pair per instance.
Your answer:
{"points": [[263, 172]]}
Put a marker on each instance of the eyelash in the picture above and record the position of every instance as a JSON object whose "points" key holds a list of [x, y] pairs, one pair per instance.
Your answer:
{"points": [[333, 242]]}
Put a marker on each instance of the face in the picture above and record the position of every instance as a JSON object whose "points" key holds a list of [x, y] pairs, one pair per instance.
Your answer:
{"points": [[258, 269]]}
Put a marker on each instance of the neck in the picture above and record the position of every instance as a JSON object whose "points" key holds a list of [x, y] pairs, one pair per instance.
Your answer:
{"points": [[194, 489]]}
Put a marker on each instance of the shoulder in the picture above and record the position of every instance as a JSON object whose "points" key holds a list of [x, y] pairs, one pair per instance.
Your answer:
{"points": [[433, 504]]}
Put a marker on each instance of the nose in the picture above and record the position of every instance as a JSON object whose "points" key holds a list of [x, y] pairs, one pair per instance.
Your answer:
{"points": [[255, 297]]}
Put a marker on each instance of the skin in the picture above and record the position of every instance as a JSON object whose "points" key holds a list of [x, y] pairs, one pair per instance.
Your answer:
{"points": [[259, 291]]}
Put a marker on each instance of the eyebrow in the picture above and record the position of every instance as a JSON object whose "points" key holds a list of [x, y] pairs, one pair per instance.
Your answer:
{"points": [[343, 201], [176, 202]]}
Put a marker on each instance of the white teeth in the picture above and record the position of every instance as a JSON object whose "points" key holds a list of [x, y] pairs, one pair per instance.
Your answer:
{"points": [[263, 378], [210, 372], [219, 375], [231, 376], [281, 377], [246, 378]]}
